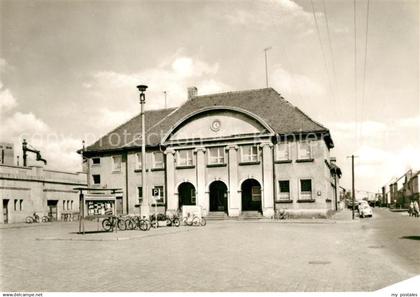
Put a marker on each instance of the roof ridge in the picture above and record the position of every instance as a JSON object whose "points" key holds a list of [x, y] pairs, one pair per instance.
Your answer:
{"points": [[129, 120], [231, 92]]}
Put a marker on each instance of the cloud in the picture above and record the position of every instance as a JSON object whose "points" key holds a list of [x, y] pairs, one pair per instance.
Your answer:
{"points": [[291, 84], [7, 101]]}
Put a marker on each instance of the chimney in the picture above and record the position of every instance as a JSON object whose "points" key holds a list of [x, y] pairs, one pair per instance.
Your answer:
{"points": [[192, 92]]}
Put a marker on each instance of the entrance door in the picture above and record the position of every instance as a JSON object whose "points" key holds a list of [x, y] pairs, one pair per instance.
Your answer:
{"points": [[218, 196], [5, 211], [251, 195], [119, 205], [52, 209], [186, 193]]}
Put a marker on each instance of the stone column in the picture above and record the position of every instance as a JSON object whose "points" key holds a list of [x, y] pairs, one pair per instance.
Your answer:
{"points": [[268, 176], [172, 199], [234, 197], [201, 179]]}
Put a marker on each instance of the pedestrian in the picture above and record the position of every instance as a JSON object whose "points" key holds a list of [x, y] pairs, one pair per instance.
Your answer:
{"points": [[416, 208], [411, 209]]}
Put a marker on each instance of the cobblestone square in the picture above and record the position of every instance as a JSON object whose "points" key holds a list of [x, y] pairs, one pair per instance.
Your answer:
{"points": [[319, 255]]}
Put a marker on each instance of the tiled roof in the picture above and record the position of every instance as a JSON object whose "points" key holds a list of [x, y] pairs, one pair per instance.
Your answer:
{"points": [[279, 114]]}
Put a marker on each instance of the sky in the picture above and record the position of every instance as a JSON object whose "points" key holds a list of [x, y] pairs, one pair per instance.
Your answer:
{"points": [[69, 70]]}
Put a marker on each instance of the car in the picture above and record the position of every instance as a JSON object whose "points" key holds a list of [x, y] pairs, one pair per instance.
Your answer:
{"points": [[365, 210]]}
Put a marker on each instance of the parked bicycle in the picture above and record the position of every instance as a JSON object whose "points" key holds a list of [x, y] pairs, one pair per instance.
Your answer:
{"points": [[36, 219], [112, 222], [193, 220], [172, 220]]}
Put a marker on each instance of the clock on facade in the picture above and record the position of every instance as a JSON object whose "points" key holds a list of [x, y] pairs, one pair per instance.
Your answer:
{"points": [[215, 125]]}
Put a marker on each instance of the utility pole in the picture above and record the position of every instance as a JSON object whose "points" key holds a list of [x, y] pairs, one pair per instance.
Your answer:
{"points": [[266, 66], [352, 185]]}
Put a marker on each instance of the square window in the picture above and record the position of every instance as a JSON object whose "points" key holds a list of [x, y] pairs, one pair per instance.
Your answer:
{"points": [[140, 192], [304, 150], [116, 163], [71, 205], [284, 187], [96, 179], [64, 205], [283, 151], [96, 161], [216, 155], [158, 160], [249, 153], [21, 205], [15, 204], [68, 204], [184, 158], [306, 189]]}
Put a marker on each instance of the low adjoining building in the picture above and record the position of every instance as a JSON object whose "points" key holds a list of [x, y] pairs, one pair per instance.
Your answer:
{"points": [[229, 153], [25, 190]]}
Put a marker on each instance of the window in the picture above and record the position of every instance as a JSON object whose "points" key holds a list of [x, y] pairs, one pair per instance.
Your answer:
{"points": [[193, 199], [140, 192], [64, 204], [15, 204], [283, 152], [138, 161], [116, 163], [305, 189], [68, 204], [71, 205], [216, 155], [249, 153], [256, 193], [96, 179], [184, 158], [284, 187], [304, 150], [158, 194], [158, 160], [21, 205], [96, 161]]}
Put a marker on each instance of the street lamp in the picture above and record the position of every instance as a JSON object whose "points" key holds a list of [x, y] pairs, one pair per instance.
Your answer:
{"points": [[144, 207]]}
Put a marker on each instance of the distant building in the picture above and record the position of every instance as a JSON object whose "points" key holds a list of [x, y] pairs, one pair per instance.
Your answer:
{"points": [[401, 191], [25, 190], [7, 155], [229, 153]]}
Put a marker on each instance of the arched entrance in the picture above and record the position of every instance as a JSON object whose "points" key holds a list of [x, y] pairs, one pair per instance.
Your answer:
{"points": [[218, 196], [251, 195], [186, 194]]}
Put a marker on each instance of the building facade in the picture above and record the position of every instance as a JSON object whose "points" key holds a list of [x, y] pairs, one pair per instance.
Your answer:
{"points": [[235, 152], [7, 155], [25, 190]]}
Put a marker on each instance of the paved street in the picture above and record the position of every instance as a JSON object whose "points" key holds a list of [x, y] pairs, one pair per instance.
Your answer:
{"points": [[330, 255]]}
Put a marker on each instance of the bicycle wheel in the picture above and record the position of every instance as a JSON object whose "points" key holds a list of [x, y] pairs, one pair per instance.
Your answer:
{"points": [[154, 224], [176, 222], [129, 224], [203, 222], [168, 222], [29, 220], [195, 221], [144, 225], [107, 225], [121, 224], [45, 219]]}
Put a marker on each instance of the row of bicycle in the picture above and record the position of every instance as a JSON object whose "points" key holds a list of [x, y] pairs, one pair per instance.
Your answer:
{"points": [[123, 223]]}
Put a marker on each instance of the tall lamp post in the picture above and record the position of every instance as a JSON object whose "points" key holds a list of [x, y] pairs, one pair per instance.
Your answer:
{"points": [[144, 206]]}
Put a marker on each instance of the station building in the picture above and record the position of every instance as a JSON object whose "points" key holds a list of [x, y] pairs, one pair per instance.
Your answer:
{"points": [[230, 153], [25, 190]]}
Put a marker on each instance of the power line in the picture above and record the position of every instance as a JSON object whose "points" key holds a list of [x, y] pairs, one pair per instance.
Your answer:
{"points": [[331, 50], [355, 72], [322, 47]]}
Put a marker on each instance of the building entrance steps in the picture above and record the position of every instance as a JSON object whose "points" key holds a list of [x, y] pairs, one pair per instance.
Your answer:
{"points": [[216, 215], [250, 215]]}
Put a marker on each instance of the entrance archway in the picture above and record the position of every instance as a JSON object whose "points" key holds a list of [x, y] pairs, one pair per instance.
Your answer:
{"points": [[218, 196], [186, 194], [251, 195]]}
